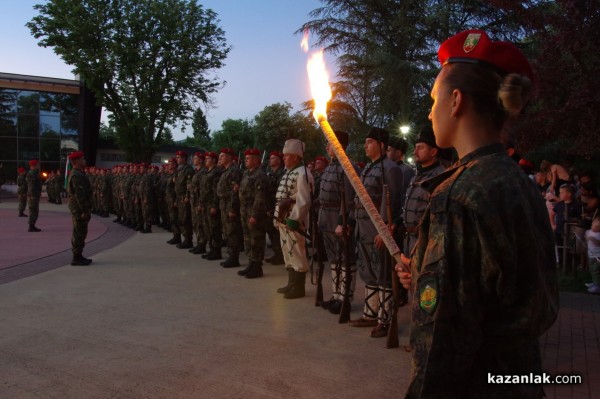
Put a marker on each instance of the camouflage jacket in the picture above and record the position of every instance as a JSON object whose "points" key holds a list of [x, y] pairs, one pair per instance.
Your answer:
{"points": [[209, 188], [185, 173], [484, 280], [194, 187], [80, 193], [253, 193], [34, 183], [22, 184], [230, 178]]}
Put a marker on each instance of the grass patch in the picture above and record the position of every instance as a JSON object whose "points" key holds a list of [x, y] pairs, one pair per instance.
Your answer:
{"points": [[573, 281]]}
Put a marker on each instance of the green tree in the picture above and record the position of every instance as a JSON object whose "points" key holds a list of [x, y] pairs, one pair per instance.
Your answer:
{"points": [[107, 131], [200, 130], [235, 133], [148, 62]]}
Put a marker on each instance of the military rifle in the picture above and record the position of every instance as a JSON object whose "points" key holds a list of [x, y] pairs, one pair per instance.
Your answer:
{"points": [[316, 251]]}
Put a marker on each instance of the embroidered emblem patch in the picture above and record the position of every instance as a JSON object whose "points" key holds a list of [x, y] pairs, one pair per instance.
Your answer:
{"points": [[428, 292], [471, 42]]}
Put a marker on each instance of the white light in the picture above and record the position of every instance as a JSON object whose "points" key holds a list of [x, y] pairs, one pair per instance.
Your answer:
{"points": [[410, 160], [404, 129]]}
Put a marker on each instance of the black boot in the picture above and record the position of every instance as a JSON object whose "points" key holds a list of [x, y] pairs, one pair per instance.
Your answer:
{"points": [[245, 271], [290, 282], [147, 229], [117, 220], [297, 290], [215, 255], [256, 271], [33, 229], [22, 215], [79, 260], [175, 240], [186, 244], [232, 261], [199, 249], [276, 259]]}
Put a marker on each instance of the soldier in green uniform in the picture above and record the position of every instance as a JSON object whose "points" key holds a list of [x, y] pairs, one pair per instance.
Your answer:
{"points": [[253, 210], [210, 204], [183, 179], [80, 203], [274, 173], [171, 199], [483, 272], [146, 189], [195, 205], [229, 204], [22, 191], [34, 192]]}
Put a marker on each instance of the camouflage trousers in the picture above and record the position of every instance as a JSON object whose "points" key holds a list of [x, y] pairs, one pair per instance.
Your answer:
{"points": [[232, 229], [173, 216], [215, 229], [198, 224], [22, 202], [80, 230], [184, 215], [254, 237], [147, 212], [34, 209]]}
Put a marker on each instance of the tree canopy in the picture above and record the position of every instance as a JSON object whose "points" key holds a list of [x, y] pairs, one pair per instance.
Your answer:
{"points": [[148, 62]]}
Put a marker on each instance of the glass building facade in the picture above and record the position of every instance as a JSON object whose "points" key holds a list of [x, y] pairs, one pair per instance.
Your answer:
{"points": [[38, 120]]}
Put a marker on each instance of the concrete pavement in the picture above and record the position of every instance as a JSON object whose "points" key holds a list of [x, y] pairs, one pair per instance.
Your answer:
{"points": [[148, 320]]}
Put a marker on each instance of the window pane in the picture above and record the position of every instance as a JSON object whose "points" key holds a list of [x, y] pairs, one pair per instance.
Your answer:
{"points": [[8, 125], [49, 104], [8, 149], [50, 126], [50, 150], [28, 102], [28, 125], [9, 171], [8, 101], [29, 149]]}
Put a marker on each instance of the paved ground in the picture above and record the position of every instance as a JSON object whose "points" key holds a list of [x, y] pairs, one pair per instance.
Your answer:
{"points": [[152, 321]]}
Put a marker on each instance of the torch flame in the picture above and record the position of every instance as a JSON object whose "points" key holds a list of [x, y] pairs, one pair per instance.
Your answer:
{"points": [[319, 84], [304, 42]]}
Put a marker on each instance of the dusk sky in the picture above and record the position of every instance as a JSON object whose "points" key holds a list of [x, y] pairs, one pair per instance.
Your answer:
{"points": [[265, 65]]}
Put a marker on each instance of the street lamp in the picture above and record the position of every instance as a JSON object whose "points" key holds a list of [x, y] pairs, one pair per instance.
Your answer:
{"points": [[404, 130]]}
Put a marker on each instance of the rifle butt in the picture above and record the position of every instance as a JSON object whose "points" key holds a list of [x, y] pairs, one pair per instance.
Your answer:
{"points": [[392, 336], [344, 312], [319, 295]]}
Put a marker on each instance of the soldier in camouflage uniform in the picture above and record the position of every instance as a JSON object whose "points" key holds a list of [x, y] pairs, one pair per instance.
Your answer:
{"points": [[253, 210], [229, 205], [80, 203], [332, 181], [105, 189], [274, 174], [183, 179], [146, 189], [165, 220], [210, 203], [34, 192], [483, 273], [116, 192], [196, 206], [59, 184], [375, 270], [22, 191], [292, 217], [50, 187], [171, 199]]}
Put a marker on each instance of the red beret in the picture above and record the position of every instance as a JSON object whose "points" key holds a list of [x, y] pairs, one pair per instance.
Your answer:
{"points": [[181, 154], [277, 154], [475, 47], [199, 155], [228, 151], [21, 169], [525, 163], [33, 162], [76, 155], [173, 160], [211, 154], [252, 151], [322, 159]]}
